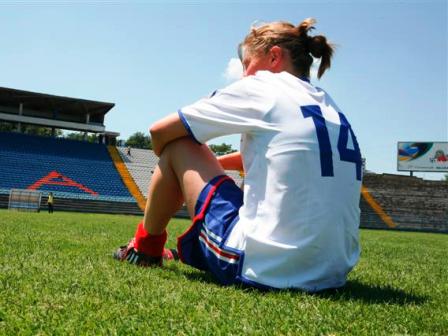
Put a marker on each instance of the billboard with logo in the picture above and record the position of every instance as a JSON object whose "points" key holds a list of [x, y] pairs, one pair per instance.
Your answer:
{"points": [[422, 156]]}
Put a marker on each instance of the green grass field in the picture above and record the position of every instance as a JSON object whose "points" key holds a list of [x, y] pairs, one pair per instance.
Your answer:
{"points": [[58, 278]]}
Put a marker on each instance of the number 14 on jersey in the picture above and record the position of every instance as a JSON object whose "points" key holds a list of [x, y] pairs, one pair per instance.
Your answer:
{"points": [[323, 138]]}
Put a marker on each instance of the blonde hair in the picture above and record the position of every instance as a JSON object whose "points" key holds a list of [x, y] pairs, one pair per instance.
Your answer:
{"points": [[296, 41]]}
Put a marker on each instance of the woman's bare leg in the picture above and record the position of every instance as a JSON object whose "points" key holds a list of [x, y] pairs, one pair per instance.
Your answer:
{"points": [[185, 167]]}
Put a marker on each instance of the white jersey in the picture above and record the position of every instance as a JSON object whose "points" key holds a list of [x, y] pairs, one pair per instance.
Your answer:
{"points": [[298, 226]]}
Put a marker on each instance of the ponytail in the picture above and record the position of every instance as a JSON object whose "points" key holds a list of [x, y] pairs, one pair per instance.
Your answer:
{"points": [[317, 45], [319, 48]]}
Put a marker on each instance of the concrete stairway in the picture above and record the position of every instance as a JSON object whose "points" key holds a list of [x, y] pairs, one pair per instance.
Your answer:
{"points": [[140, 164]]}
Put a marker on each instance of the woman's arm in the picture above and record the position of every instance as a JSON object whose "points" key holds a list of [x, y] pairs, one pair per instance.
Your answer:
{"points": [[231, 161], [166, 130], [171, 128]]}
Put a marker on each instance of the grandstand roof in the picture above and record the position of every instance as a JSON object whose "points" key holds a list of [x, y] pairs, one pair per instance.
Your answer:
{"points": [[19, 106], [42, 101]]}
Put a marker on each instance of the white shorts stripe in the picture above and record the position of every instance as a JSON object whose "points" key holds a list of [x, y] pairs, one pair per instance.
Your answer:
{"points": [[221, 254], [211, 234]]}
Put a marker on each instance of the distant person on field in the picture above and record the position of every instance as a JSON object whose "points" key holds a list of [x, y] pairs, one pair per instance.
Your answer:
{"points": [[128, 151], [295, 225], [50, 202]]}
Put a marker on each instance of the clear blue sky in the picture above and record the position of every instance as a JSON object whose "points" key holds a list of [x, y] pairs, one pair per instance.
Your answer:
{"points": [[389, 74]]}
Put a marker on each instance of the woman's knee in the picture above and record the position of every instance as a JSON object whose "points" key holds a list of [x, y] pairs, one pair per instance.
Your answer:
{"points": [[185, 154], [186, 149]]}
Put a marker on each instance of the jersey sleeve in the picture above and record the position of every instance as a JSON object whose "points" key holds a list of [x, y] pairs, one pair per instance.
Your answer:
{"points": [[237, 109]]}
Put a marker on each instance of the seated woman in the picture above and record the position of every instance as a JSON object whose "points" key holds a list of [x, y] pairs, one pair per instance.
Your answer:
{"points": [[295, 225]]}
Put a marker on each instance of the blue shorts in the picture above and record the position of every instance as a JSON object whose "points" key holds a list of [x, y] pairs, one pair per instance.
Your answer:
{"points": [[202, 245]]}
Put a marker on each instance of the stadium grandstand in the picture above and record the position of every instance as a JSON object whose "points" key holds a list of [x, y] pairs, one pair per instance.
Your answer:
{"points": [[100, 177], [81, 175]]}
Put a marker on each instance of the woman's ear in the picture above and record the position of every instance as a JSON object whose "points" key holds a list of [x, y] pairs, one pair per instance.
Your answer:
{"points": [[275, 55], [276, 58]]}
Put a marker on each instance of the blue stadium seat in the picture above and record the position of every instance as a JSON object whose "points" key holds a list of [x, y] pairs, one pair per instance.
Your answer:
{"points": [[68, 168]]}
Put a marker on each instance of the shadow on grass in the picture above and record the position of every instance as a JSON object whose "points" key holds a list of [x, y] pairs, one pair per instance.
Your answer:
{"points": [[354, 290]]}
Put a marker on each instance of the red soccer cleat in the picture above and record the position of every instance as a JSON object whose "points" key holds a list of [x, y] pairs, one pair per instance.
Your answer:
{"points": [[130, 254]]}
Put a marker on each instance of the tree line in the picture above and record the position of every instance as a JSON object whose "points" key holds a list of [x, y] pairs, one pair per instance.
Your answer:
{"points": [[48, 131], [140, 140]]}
